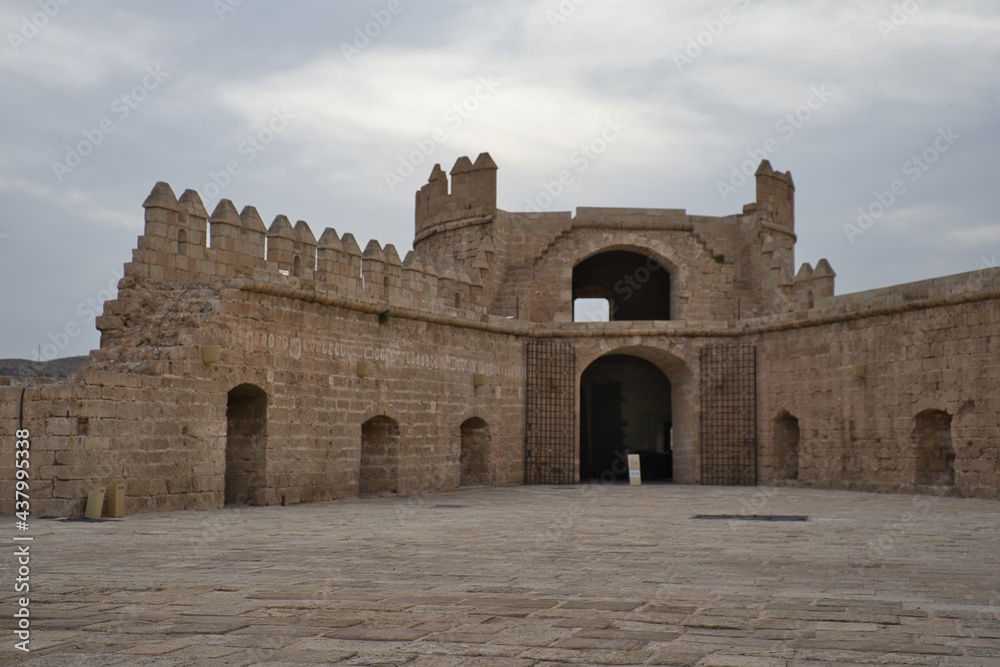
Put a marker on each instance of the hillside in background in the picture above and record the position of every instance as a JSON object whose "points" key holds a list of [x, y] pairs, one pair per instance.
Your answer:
{"points": [[57, 368]]}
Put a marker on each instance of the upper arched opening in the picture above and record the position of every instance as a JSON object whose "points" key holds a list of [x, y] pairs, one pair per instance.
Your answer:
{"points": [[636, 286]]}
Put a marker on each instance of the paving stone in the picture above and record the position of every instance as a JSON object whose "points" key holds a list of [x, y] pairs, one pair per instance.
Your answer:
{"points": [[73, 660], [429, 647], [741, 661], [528, 638], [877, 646], [376, 634], [596, 657], [467, 661], [639, 635], [611, 644], [287, 630], [783, 634], [605, 605], [260, 641], [679, 654], [197, 653], [159, 646], [462, 637], [352, 583], [715, 622]]}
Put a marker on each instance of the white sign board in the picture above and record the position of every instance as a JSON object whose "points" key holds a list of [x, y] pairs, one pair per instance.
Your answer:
{"points": [[634, 475]]}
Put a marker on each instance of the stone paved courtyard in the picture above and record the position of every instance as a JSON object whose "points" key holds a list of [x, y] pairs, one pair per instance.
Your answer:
{"points": [[525, 576]]}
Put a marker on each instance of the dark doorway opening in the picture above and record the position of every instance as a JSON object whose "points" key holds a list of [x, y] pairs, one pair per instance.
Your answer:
{"points": [[379, 456], [637, 287], [786, 447], [935, 453], [475, 453], [625, 409], [246, 443]]}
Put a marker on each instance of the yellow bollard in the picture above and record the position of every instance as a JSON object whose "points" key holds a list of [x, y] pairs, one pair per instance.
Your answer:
{"points": [[95, 503], [116, 500]]}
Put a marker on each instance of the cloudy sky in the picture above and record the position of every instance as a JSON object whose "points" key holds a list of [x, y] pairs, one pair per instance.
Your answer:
{"points": [[324, 111]]}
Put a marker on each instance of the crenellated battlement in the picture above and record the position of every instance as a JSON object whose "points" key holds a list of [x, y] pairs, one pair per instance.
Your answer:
{"points": [[775, 197], [473, 195], [181, 243], [813, 287], [471, 260]]}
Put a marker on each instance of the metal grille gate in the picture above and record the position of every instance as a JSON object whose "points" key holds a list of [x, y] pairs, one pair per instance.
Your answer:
{"points": [[729, 415], [550, 414]]}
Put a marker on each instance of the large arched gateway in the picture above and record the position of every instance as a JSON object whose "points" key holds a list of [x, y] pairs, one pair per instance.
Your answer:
{"points": [[625, 408], [588, 407]]}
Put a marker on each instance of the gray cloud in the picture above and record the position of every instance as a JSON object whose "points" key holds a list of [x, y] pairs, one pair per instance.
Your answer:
{"points": [[560, 74]]}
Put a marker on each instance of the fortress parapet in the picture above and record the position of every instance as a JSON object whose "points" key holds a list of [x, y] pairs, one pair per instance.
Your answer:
{"points": [[473, 195], [470, 259], [247, 363], [173, 250]]}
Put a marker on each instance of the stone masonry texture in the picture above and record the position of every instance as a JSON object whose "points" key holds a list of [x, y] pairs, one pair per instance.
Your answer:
{"points": [[344, 371]]}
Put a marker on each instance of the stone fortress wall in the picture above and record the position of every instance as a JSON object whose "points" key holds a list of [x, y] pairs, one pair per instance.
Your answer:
{"points": [[343, 371]]}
